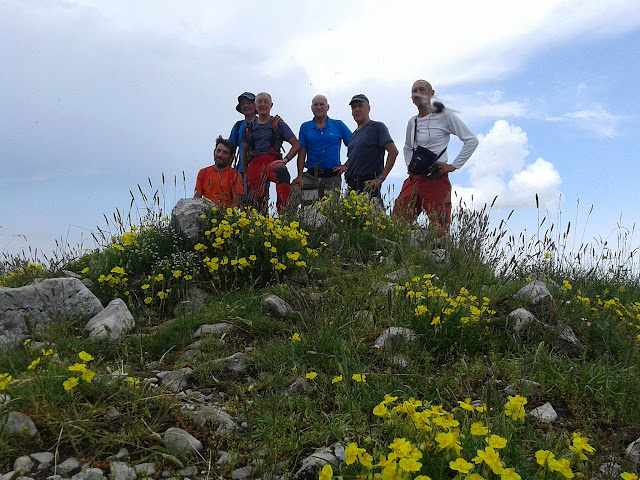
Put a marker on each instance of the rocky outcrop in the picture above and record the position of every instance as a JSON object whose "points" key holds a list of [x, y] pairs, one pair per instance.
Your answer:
{"points": [[185, 216], [32, 309], [113, 322]]}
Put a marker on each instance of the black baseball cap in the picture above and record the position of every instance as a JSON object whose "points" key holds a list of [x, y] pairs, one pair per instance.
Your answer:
{"points": [[245, 96], [361, 97]]}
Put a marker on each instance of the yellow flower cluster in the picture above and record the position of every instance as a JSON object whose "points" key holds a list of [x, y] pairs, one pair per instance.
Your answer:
{"points": [[627, 313], [116, 277], [356, 210], [31, 270], [5, 379], [441, 305], [85, 374], [446, 435], [270, 238]]}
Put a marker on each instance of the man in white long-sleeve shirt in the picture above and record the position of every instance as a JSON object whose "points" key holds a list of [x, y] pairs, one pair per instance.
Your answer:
{"points": [[432, 129]]}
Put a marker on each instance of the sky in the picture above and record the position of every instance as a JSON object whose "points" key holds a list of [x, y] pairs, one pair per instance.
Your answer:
{"points": [[98, 98]]}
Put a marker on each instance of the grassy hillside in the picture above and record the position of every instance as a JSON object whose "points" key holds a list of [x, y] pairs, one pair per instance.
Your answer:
{"points": [[451, 403]]}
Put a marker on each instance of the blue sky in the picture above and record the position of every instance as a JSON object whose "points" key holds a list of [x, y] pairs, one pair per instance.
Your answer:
{"points": [[99, 97]]}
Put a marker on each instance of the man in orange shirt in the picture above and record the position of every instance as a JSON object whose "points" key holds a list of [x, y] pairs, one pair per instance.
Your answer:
{"points": [[220, 183]]}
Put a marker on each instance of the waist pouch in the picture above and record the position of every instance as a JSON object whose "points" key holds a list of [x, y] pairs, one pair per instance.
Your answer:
{"points": [[322, 172], [423, 161]]}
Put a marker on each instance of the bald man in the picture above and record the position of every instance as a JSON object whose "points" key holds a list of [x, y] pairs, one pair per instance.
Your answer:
{"points": [[320, 142]]}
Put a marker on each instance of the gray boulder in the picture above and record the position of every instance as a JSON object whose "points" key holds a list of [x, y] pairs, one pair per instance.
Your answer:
{"points": [[394, 335], [276, 306], [222, 327], [569, 340], [23, 464], [192, 300], [185, 216], [177, 380], [214, 418], [418, 238], [112, 323], [122, 471], [537, 293], [33, 308], [89, 473], [632, 451], [18, 424], [544, 413], [237, 363], [70, 466], [311, 217], [524, 320], [181, 443]]}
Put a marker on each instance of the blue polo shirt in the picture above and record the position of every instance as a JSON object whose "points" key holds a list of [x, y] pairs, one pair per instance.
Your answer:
{"points": [[366, 150], [323, 144]]}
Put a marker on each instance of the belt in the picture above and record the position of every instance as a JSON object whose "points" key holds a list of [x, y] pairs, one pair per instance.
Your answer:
{"points": [[322, 172]]}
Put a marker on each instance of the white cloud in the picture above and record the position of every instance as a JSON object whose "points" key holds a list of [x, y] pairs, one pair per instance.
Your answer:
{"points": [[499, 168]]}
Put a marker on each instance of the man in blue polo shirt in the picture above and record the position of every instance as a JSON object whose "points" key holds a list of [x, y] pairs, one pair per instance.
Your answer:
{"points": [[320, 140], [366, 168]]}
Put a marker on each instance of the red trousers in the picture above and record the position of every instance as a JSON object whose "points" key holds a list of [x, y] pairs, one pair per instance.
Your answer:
{"points": [[431, 195], [262, 170]]}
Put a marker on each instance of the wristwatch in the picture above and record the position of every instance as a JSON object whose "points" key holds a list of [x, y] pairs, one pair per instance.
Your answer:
{"points": [[382, 177]]}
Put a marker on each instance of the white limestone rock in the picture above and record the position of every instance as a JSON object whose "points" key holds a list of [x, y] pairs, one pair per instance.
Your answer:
{"points": [[112, 323]]}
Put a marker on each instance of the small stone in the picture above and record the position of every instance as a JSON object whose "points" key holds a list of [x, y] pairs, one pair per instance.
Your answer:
{"points": [[178, 380], [276, 306], [544, 413], [145, 470], [536, 291], [299, 385], [19, 424], [364, 315], [122, 454], [112, 413], [88, 473], [188, 471], [224, 457], [70, 466], [244, 472], [633, 451], [43, 457], [611, 469], [524, 320], [394, 335], [122, 471], [181, 443], [222, 327], [54, 477], [23, 464], [236, 363]]}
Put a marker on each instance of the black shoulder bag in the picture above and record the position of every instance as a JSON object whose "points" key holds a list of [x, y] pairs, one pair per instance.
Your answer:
{"points": [[423, 160]]}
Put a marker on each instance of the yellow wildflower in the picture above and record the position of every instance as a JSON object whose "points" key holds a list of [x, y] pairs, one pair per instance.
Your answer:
{"points": [[460, 465], [478, 429], [70, 383], [336, 379], [360, 378], [326, 473], [311, 375], [496, 441], [85, 356], [295, 337]]}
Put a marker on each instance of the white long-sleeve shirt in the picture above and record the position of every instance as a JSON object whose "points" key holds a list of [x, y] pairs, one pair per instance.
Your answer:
{"points": [[434, 132]]}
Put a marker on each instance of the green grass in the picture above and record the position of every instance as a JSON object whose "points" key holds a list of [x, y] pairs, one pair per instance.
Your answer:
{"points": [[464, 346]]}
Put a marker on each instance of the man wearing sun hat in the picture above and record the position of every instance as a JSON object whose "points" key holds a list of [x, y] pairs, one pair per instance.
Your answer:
{"points": [[366, 168], [247, 107]]}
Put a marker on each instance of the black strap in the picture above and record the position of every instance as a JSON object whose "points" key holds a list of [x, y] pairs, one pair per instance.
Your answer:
{"points": [[415, 143]]}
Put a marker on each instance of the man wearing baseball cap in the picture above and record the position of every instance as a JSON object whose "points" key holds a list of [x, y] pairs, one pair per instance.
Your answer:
{"points": [[247, 107], [366, 168]]}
